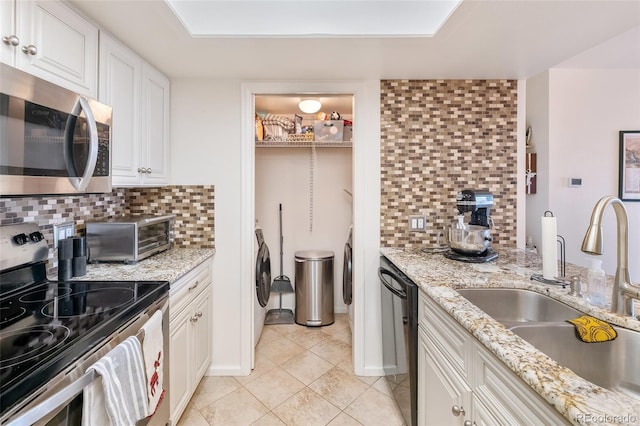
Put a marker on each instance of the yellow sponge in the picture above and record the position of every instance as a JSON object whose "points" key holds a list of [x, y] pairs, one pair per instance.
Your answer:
{"points": [[593, 330]]}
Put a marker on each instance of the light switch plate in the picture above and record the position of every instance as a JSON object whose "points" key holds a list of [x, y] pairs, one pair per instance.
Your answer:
{"points": [[418, 223], [61, 231], [575, 182]]}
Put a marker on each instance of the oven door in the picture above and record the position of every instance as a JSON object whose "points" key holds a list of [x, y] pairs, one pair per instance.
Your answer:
{"points": [[52, 140], [61, 404]]}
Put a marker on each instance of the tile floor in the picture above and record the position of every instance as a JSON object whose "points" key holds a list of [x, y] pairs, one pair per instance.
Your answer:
{"points": [[303, 376]]}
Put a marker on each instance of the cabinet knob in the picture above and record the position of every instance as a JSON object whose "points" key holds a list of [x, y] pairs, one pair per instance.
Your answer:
{"points": [[469, 423], [193, 286], [11, 40], [148, 170], [30, 50], [199, 314], [141, 170], [193, 319], [457, 411]]}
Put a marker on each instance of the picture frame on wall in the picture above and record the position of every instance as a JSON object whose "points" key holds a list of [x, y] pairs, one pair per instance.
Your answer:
{"points": [[629, 179]]}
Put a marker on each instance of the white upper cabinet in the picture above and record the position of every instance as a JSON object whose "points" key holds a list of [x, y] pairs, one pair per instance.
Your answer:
{"points": [[121, 88], [139, 95], [51, 41], [155, 126]]}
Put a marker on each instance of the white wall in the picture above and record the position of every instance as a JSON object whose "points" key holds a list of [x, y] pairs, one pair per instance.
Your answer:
{"points": [[283, 176], [210, 144], [586, 110], [537, 112], [205, 149]]}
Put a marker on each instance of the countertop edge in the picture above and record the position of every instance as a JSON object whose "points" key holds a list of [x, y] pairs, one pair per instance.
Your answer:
{"points": [[570, 394], [170, 265]]}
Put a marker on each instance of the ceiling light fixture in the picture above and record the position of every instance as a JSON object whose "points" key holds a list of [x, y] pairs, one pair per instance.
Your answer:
{"points": [[309, 106]]}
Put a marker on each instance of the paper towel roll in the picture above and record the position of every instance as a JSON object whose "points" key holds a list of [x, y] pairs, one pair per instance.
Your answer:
{"points": [[549, 248]]}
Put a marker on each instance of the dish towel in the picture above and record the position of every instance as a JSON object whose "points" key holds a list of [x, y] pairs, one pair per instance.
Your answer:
{"points": [[152, 351], [593, 330], [120, 395]]}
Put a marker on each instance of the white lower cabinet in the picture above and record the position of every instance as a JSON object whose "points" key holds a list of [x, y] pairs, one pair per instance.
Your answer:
{"points": [[190, 336], [440, 389], [179, 349], [460, 382]]}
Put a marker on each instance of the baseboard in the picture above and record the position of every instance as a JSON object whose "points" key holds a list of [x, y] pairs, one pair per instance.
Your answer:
{"points": [[371, 371], [226, 370]]}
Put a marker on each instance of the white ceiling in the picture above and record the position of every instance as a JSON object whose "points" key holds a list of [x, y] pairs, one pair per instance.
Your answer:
{"points": [[482, 39], [327, 18], [622, 51]]}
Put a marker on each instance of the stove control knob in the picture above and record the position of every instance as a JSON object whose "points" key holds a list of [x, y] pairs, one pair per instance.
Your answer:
{"points": [[21, 239], [36, 236]]}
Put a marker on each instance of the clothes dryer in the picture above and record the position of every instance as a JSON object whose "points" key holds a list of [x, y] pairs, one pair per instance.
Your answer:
{"points": [[347, 276], [262, 284]]}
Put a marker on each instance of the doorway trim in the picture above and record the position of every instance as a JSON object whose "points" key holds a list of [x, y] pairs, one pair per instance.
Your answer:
{"points": [[367, 353]]}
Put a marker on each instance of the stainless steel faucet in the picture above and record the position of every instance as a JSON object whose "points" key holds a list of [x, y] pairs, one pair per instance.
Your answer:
{"points": [[623, 291]]}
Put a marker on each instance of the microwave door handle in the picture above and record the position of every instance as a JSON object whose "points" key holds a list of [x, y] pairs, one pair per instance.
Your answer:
{"points": [[81, 183], [69, 127]]}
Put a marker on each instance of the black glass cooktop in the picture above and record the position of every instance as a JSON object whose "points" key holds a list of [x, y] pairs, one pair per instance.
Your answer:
{"points": [[45, 326]]}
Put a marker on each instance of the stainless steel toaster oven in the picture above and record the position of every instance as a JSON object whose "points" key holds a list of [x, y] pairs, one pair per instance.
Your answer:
{"points": [[129, 239]]}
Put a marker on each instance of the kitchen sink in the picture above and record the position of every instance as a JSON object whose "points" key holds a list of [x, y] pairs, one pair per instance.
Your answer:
{"points": [[541, 321], [612, 365], [511, 306]]}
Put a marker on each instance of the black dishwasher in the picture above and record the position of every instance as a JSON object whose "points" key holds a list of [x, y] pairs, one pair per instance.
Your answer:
{"points": [[399, 313]]}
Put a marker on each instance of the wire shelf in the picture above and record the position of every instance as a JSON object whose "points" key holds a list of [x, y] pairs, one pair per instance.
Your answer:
{"points": [[302, 144]]}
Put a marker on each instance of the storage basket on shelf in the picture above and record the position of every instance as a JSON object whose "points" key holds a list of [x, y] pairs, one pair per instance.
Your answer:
{"points": [[328, 130], [304, 137], [277, 127]]}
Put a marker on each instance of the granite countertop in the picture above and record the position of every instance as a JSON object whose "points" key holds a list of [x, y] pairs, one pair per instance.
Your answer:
{"points": [[571, 395], [169, 266]]}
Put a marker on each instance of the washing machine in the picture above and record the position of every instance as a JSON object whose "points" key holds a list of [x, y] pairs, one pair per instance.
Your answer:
{"points": [[347, 276], [262, 285]]}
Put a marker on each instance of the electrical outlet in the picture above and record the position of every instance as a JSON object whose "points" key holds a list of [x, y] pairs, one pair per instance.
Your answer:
{"points": [[61, 231], [418, 223]]}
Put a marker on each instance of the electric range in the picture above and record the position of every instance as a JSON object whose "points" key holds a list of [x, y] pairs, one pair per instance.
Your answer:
{"points": [[47, 326]]}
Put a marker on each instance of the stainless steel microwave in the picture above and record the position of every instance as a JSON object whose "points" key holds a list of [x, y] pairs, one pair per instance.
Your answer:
{"points": [[52, 140]]}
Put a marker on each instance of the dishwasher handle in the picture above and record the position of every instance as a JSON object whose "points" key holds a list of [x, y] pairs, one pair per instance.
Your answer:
{"points": [[400, 292]]}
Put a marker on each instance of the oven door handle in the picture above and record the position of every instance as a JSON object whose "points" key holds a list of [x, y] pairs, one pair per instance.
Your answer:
{"points": [[55, 401], [400, 292]]}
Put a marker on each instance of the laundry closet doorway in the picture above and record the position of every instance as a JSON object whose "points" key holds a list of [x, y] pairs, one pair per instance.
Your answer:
{"points": [[365, 179], [310, 176]]}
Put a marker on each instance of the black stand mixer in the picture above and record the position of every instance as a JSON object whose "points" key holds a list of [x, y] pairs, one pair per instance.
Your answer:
{"points": [[472, 242]]}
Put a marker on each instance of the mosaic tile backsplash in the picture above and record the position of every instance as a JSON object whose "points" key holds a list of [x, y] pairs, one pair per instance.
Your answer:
{"points": [[439, 137], [192, 205]]}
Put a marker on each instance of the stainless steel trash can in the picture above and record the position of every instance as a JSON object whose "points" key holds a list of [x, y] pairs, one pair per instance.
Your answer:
{"points": [[314, 287]]}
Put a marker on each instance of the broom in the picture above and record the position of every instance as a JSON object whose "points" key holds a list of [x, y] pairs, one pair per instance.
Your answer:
{"points": [[281, 284]]}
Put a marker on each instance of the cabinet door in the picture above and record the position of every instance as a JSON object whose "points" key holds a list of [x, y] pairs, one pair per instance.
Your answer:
{"points": [[120, 87], [202, 334], [500, 397], [180, 381], [8, 29], [155, 126], [483, 416], [66, 45], [440, 388]]}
